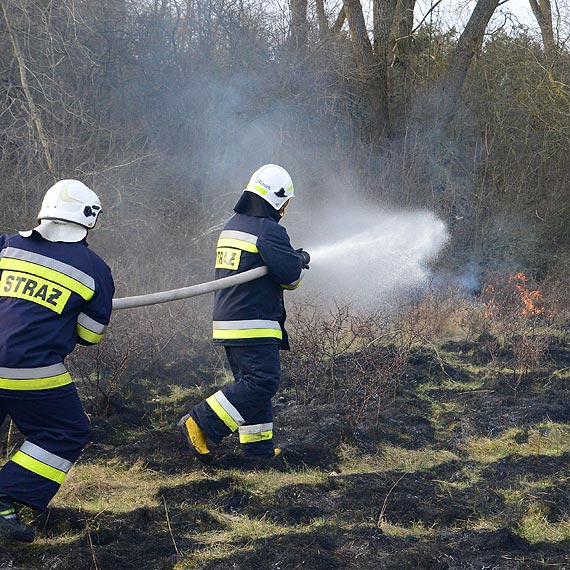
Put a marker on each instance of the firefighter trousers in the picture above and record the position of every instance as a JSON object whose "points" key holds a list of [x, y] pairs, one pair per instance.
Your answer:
{"points": [[244, 405], [56, 430]]}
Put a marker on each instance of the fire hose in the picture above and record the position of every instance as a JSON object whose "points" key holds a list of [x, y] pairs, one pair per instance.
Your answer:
{"points": [[192, 291]]}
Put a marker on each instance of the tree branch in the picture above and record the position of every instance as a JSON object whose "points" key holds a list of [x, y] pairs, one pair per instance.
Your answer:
{"points": [[34, 111]]}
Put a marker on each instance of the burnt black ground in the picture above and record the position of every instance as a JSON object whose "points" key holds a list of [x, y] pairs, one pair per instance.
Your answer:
{"points": [[349, 505]]}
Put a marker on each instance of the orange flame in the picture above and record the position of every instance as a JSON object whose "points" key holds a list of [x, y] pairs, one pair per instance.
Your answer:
{"points": [[492, 309], [533, 303]]}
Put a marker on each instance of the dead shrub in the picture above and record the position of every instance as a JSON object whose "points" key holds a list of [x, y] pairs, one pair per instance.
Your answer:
{"points": [[512, 322], [356, 360], [140, 343]]}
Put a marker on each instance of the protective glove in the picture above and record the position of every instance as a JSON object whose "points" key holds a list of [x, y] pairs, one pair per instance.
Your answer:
{"points": [[306, 258]]}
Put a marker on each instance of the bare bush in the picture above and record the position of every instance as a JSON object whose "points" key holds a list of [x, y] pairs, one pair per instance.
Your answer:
{"points": [[140, 344], [356, 360], [512, 323]]}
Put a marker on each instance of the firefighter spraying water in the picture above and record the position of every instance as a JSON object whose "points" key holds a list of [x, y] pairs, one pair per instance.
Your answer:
{"points": [[249, 320]]}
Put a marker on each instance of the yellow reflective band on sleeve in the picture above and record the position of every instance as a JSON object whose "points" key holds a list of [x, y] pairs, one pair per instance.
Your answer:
{"points": [[221, 413], [35, 289], [36, 383], [221, 334], [88, 335], [253, 437], [238, 244], [292, 286], [227, 258], [51, 274], [38, 467]]}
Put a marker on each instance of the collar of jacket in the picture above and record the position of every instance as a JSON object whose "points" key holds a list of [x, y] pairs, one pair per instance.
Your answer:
{"points": [[251, 204], [57, 231]]}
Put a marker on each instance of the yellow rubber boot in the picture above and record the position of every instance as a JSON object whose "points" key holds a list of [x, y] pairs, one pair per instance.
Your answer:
{"points": [[196, 438]]}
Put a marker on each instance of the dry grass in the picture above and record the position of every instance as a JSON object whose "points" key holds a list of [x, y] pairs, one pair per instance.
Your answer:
{"points": [[548, 438]]}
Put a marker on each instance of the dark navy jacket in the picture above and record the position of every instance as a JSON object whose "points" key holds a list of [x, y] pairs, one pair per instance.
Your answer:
{"points": [[52, 295], [253, 313]]}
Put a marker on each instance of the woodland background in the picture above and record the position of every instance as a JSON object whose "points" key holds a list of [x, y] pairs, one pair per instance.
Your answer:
{"points": [[160, 104]]}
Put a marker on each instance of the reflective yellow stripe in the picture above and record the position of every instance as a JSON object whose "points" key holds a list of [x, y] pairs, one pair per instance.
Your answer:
{"points": [[5, 513], [38, 467], [260, 189], [88, 335], [51, 274], [253, 437], [247, 333], [291, 287], [238, 244], [221, 413], [36, 383]]}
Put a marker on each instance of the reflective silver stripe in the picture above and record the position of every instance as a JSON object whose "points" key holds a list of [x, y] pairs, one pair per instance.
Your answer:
{"points": [[233, 234], [50, 263], [46, 457], [258, 428], [241, 325], [36, 373], [229, 407], [91, 324]]}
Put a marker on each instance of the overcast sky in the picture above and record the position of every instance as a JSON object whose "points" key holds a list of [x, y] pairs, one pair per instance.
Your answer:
{"points": [[456, 12]]}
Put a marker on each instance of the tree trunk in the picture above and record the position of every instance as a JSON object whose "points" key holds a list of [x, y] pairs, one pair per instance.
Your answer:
{"points": [[358, 33], [468, 46], [542, 11], [403, 27], [401, 44], [299, 27], [383, 19], [322, 19], [373, 70], [339, 22]]}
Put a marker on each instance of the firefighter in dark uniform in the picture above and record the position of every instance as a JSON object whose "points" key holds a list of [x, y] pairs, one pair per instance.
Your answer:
{"points": [[249, 319], [54, 293]]}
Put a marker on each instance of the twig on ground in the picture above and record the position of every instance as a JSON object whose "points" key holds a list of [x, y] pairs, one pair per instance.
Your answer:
{"points": [[170, 528], [385, 503]]}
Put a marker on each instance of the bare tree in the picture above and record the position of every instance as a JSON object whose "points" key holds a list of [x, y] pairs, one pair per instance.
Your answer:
{"points": [[372, 69], [299, 27], [34, 111], [542, 10], [468, 46]]}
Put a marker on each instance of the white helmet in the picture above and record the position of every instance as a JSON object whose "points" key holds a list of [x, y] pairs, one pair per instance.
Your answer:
{"points": [[273, 184], [71, 201]]}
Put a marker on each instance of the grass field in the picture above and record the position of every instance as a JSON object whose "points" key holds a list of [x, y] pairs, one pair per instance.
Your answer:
{"points": [[457, 473]]}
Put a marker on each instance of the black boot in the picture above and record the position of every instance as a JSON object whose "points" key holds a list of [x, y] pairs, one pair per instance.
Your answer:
{"points": [[11, 528]]}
